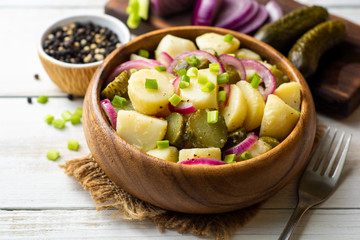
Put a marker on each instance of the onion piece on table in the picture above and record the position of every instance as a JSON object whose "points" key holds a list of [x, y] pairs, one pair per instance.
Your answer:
{"points": [[196, 53], [264, 73], [183, 108], [250, 140], [257, 22], [232, 11], [204, 12], [168, 7], [165, 59], [109, 111], [134, 64], [274, 10], [249, 17], [235, 63], [203, 161]]}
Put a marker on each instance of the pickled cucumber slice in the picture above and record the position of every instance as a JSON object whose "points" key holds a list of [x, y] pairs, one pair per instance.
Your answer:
{"points": [[280, 77], [273, 142], [235, 137], [176, 129], [203, 134], [283, 33], [306, 52], [117, 87]]}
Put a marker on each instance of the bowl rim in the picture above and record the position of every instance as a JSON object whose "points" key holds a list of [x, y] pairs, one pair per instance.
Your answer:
{"points": [[122, 33], [227, 168]]}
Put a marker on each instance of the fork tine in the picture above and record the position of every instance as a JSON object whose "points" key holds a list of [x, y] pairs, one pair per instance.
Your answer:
{"points": [[341, 162], [326, 153], [316, 153], [333, 157]]}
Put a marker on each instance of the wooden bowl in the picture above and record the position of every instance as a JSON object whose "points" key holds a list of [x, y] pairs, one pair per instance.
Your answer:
{"points": [[196, 189], [71, 77]]}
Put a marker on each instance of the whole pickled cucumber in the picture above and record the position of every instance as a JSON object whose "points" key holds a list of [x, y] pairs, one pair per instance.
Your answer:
{"points": [[307, 51], [203, 134], [283, 33], [175, 129], [117, 87]]}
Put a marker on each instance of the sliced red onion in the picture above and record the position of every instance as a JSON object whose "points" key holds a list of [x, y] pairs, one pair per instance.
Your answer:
{"points": [[203, 161], [204, 12], [109, 111], [168, 7], [274, 10], [235, 63], [134, 64], [176, 83], [250, 139], [257, 22], [183, 108], [232, 11], [165, 59], [249, 17], [264, 73], [196, 53]]}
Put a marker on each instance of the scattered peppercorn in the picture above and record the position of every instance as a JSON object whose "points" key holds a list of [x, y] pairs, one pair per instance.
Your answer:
{"points": [[80, 43], [70, 97], [36, 76], [29, 100]]}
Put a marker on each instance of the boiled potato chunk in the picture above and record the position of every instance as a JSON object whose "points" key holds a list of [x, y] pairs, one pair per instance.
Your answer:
{"points": [[290, 93], [134, 56], [259, 148], [279, 118], [200, 99], [140, 130], [170, 154], [255, 103], [236, 109], [185, 154], [216, 42], [174, 46], [247, 54], [150, 102]]}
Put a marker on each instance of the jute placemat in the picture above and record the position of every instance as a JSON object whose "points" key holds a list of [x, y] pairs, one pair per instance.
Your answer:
{"points": [[108, 195]]}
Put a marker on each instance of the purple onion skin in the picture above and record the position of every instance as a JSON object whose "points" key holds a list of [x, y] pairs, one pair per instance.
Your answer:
{"points": [[205, 11], [232, 11]]}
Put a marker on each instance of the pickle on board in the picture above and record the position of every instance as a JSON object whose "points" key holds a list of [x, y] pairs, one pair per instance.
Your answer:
{"points": [[117, 87], [307, 51], [175, 129], [283, 33], [203, 134]]}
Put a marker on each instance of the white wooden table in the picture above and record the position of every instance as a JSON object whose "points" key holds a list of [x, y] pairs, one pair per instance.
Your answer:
{"points": [[38, 201]]}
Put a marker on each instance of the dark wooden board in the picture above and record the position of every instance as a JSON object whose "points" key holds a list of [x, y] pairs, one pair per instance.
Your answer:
{"points": [[336, 84]]}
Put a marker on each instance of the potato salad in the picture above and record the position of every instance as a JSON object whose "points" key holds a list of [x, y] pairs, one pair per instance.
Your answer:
{"points": [[203, 102]]}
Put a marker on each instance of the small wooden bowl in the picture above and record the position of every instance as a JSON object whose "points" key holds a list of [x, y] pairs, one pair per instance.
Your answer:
{"points": [[196, 189], [71, 77]]}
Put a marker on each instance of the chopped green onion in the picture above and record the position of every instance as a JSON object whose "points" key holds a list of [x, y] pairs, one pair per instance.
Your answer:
{"points": [[222, 78], [137, 10], [184, 84], [53, 155], [175, 100], [228, 38], [59, 123], [66, 115], [132, 70], [202, 79], [118, 101], [182, 72], [222, 96], [151, 84], [192, 61], [144, 53], [214, 67], [239, 57], [245, 155], [73, 144], [192, 72], [49, 119], [75, 119], [42, 99], [133, 20], [209, 86], [230, 158], [133, 7], [297, 111], [160, 68], [212, 116], [185, 78], [162, 144], [231, 54], [255, 80], [78, 111]]}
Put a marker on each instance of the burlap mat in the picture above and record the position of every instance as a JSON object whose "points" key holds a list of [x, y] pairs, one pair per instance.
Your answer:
{"points": [[107, 195]]}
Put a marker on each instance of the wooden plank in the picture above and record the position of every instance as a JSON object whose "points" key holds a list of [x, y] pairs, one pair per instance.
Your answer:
{"points": [[89, 224]]}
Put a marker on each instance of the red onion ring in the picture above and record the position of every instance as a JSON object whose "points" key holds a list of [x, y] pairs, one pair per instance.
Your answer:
{"points": [[109, 111], [203, 161], [165, 59], [183, 108], [243, 146], [235, 63]]}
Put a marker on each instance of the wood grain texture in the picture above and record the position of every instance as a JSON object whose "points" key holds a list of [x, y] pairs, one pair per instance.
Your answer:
{"points": [[196, 189]]}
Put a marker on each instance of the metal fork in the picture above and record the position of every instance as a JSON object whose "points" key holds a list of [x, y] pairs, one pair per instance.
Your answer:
{"points": [[315, 186]]}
